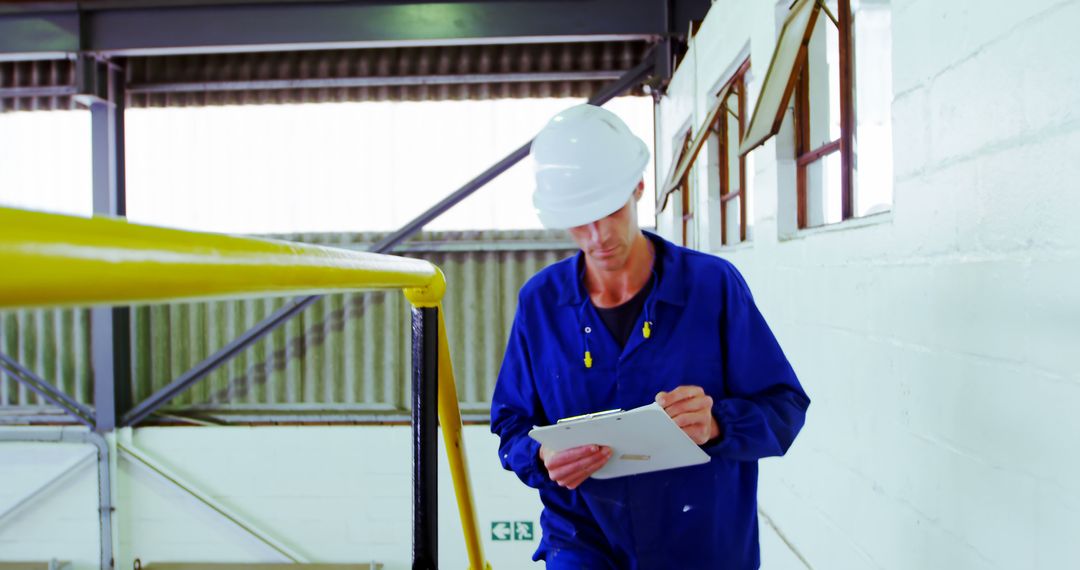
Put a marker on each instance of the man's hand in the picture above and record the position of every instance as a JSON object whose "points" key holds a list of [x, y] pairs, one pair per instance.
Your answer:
{"points": [[571, 467], [691, 408]]}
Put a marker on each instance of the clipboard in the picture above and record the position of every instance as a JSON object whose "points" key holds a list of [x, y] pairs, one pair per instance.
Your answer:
{"points": [[642, 440]]}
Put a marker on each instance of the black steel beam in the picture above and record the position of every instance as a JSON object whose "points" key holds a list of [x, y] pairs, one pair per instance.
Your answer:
{"points": [[144, 28], [46, 390], [630, 79], [339, 82], [29, 35], [425, 420]]}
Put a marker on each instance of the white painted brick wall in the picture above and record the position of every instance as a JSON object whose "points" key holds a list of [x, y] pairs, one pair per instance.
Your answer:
{"points": [[938, 342], [61, 524], [334, 494]]}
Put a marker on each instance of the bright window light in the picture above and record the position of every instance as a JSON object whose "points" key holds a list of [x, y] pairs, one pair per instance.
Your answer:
{"points": [[45, 161], [332, 167]]}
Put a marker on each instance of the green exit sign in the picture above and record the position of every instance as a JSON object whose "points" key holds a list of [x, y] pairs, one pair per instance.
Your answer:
{"points": [[502, 531]]}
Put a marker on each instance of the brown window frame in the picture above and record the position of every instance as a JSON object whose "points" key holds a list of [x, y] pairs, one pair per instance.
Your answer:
{"points": [[679, 181], [735, 87], [796, 85], [687, 212], [805, 156]]}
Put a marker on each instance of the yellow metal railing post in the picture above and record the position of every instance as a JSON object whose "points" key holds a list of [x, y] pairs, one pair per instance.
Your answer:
{"points": [[450, 419], [450, 422]]}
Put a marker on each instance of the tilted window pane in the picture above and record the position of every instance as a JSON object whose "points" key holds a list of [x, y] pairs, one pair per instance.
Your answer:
{"points": [[769, 110], [686, 160]]}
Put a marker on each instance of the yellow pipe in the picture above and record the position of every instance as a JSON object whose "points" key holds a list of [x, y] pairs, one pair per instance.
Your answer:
{"points": [[55, 260], [450, 421]]}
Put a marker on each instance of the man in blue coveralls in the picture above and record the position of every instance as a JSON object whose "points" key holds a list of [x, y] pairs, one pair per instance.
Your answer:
{"points": [[633, 319]]}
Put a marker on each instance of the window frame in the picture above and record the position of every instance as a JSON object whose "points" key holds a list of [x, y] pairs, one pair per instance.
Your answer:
{"points": [[806, 156], [686, 211], [734, 87], [796, 85], [679, 180]]}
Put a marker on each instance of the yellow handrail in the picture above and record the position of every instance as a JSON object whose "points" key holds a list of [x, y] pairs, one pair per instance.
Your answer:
{"points": [[56, 260]]}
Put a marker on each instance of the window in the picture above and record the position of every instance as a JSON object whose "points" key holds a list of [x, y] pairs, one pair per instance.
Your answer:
{"points": [[686, 192], [727, 131], [333, 167], [679, 181], [45, 162], [815, 63], [724, 125]]}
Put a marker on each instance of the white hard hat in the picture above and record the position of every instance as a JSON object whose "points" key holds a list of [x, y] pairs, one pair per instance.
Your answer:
{"points": [[587, 164]]}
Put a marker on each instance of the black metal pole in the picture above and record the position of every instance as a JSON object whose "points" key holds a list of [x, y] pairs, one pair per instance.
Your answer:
{"points": [[425, 418]]}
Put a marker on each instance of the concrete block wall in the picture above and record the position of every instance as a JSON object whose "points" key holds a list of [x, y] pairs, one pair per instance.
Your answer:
{"points": [[937, 340]]}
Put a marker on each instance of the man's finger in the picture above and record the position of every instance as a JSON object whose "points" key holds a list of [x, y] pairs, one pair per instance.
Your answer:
{"points": [[585, 465], [697, 431], [565, 470], [698, 404], [697, 435], [573, 481], [570, 455], [577, 479], [686, 420], [666, 399]]}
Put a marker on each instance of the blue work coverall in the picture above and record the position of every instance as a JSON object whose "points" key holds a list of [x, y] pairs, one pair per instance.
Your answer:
{"points": [[705, 331]]}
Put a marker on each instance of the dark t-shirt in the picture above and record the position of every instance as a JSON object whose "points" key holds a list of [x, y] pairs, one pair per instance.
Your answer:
{"points": [[621, 319]]}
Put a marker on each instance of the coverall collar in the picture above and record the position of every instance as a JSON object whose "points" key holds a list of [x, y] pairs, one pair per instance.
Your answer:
{"points": [[669, 288]]}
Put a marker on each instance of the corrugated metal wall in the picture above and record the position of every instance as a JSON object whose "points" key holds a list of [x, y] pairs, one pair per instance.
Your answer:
{"points": [[55, 344], [346, 354], [573, 69]]}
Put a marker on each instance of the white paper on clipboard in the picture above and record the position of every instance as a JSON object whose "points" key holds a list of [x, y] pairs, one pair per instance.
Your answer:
{"points": [[642, 440]]}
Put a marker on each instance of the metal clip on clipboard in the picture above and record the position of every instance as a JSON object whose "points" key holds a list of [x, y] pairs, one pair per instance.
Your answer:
{"points": [[593, 415]]}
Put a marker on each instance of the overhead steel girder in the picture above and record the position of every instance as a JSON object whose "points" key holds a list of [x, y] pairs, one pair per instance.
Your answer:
{"points": [[50, 35], [43, 29]]}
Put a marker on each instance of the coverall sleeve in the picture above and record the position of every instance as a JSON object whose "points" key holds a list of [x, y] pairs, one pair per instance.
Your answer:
{"points": [[765, 406], [516, 408]]}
